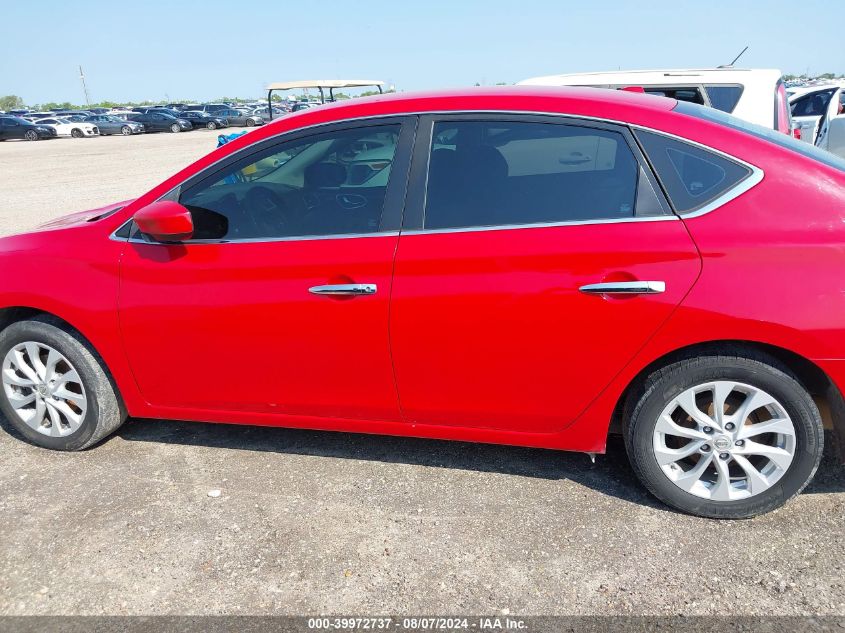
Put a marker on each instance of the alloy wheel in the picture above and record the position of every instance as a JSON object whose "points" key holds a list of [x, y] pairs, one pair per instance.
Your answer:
{"points": [[31, 135], [44, 389], [724, 441]]}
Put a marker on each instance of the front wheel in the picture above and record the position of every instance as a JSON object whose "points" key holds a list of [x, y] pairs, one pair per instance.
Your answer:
{"points": [[76, 133], [211, 125], [250, 123], [724, 436], [31, 135], [126, 130], [175, 128], [55, 388]]}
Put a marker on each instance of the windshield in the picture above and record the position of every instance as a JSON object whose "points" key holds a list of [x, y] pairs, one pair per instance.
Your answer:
{"points": [[767, 134]]}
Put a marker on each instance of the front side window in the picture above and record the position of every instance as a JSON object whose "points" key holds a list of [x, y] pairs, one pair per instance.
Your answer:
{"points": [[505, 173], [692, 176], [326, 184]]}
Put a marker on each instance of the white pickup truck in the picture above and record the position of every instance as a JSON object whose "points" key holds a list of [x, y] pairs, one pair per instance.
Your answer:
{"points": [[818, 112]]}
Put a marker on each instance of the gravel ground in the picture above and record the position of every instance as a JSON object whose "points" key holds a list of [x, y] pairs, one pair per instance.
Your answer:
{"points": [[309, 522]]}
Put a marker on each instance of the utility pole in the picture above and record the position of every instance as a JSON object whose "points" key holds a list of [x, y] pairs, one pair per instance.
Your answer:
{"points": [[84, 88]]}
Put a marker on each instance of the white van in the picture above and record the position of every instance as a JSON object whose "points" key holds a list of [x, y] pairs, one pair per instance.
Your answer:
{"points": [[755, 95]]}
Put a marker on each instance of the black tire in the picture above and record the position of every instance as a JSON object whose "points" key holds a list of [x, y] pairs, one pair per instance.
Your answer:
{"points": [[126, 130], [105, 411], [76, 133], [175, 128], [211, 125], [250, 123], [752, 368], [31, 135]]}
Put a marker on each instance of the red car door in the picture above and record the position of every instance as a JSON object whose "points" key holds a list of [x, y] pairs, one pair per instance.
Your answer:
{"points": [[279, 303], [535, 263]]}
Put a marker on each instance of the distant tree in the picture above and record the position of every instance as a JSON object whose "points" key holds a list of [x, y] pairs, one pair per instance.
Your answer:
{"points": [[10, 102]]}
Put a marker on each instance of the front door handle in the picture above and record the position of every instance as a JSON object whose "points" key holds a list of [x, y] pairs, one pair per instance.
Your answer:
{"points": [[354, 290], [625, 288]]}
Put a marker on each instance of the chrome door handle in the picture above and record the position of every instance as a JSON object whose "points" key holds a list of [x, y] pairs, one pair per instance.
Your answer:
{"points": [[344, 289], [625, 288]]}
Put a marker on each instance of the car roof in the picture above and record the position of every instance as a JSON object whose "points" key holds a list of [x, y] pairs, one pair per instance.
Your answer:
{"points": [[539, 99], [659, 77]]}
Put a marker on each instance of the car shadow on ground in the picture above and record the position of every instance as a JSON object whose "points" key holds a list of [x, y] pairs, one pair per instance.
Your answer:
{"points": [[610, 475]]}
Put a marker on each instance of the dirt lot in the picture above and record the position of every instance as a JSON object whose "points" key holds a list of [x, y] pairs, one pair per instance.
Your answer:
{"points": [[311, 522]]}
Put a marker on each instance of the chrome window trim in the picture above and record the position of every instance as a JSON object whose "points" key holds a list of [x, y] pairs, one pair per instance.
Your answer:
{"points": [[541, 225], [260, 240], [756, 176]]}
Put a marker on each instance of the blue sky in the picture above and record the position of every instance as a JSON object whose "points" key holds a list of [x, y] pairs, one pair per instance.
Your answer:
{"points": [[157, 49]]}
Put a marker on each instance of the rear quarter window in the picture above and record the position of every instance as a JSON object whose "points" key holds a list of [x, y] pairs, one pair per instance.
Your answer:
{"points": [[692, 176], [724, 98]]}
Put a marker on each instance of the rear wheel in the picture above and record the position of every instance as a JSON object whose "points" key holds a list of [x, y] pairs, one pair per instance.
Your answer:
{"points": [[31, 135], [55, 389], [727, 436], [126, 130], [175, 128], [76, 133]]}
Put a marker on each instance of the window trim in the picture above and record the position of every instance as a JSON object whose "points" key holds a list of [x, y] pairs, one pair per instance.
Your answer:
{"points": [[756, 177], [418, 184]]}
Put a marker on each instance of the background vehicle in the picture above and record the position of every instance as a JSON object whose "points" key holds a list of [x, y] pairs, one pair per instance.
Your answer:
{"points": [[593, 235], [14, 127], [755, 95], [265, 114], [818, 115], [240, 118], [201, 119], [160, 122], [108, 124], [66, 127]]}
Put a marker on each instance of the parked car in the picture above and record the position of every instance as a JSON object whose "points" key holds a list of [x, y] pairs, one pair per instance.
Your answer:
{"points": [[201, 119], [240, 118], [15, 127], [213, 108], [66, 127], [264, 113], [818, 115], [755, 95], [108, 124], [304, 105], [519, 266], [160, 122]]}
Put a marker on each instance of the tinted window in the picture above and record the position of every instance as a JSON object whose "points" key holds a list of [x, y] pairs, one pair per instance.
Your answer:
{"points": [[692, 176], [327, 184], [778, 138], [724, 98], [502, 173], [692, 95]]}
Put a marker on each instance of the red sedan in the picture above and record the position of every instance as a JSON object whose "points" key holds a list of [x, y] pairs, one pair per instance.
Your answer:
{"points": [[534, 267]]}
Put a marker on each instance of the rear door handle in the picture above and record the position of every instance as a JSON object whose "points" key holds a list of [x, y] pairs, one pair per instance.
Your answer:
{"points": [[344, 289], [625, 288]]}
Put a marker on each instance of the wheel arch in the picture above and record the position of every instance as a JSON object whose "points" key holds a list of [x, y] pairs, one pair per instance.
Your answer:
{"points": [[15, 314], [813, 378]]}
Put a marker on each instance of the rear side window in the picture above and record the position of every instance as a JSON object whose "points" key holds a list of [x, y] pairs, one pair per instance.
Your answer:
{"points": [[692, 176], [496, 173], [724, 98]]}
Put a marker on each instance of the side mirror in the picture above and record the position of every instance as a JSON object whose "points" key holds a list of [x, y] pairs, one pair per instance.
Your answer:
{"points": [[165, 221]]}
